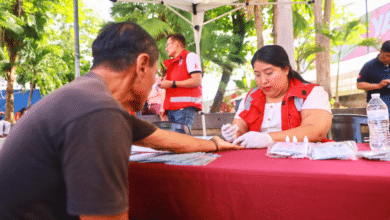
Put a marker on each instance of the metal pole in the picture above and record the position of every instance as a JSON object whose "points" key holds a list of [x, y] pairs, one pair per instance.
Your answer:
{"points": [[367, 25], [76, 38]]}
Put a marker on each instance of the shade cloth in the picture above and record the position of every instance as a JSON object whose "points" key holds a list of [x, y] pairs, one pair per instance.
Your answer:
{"points": [[247, 184]]}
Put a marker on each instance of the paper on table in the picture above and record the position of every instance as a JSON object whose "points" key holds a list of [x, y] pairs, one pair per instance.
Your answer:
{"points": [[195, 159], [135, 148]]}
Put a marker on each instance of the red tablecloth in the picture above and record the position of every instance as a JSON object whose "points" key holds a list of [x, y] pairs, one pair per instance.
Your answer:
{"points": [[247, 184]]}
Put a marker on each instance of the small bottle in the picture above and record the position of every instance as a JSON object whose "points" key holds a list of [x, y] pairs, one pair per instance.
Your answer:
{"points": [[378, 123]]}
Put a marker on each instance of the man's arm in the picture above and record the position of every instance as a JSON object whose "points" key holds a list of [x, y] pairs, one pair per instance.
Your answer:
{"points": [[194, 81], [372, 86], [181, 143], [123, 216]]}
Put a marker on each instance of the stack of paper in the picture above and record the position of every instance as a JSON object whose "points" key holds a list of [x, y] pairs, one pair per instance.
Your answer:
{"points": [[192, 159]]}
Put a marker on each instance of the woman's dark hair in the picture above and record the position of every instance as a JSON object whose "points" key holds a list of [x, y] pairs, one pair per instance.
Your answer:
{"points": [[178, 37], [119, 44], [277, 56]]}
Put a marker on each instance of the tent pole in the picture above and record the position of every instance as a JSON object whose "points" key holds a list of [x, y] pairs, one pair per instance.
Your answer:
{"points": [[76, 38], [197, 19]]}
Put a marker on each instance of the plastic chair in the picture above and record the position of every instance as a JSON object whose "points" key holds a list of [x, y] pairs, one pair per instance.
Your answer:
{"points": [[173, 126], [349, 127]]}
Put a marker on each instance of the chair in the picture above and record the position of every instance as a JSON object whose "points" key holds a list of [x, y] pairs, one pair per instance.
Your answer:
{"points": [[173, 126], [349, 127]]}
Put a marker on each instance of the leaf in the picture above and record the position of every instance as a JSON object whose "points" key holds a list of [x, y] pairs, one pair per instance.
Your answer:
{"points": [[155, 27]]}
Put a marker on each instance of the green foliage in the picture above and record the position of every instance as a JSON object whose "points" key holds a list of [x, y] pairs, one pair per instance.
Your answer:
{"points": [[46, 35], [244, 86], [8, 21]]}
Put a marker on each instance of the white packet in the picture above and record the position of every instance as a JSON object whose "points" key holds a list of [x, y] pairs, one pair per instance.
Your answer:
{"points": [[288, 150], [346, 150]]}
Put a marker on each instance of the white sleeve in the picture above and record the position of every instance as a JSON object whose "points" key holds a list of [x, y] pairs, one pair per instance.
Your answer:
{"points": [[317, 99], [193, 63], [241, 108]]}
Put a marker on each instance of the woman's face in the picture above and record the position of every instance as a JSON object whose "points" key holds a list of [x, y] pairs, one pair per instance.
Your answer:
{"points": [[272, 80]]}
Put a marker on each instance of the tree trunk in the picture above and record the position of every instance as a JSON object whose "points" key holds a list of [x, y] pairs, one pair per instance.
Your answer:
{"points": [[323, 58], [275, 22], [9, 107], [10, 75], [258, 10], [227, 67], [337, 103], [12, 44], [226, 73], [32, 87]]}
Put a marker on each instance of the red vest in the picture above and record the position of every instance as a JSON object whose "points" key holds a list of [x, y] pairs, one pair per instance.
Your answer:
{"points": [[291, 117], [178, 98]]}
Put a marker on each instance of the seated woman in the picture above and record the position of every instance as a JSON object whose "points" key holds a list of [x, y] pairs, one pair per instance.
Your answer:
{"points": [[283, 104]]}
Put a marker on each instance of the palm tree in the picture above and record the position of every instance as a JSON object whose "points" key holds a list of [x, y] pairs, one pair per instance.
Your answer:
{"points": [[29, 25], [349, 34]]}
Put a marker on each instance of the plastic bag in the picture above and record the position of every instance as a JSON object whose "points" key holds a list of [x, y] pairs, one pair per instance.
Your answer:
{"points": [[346, 150], [288, 150]]}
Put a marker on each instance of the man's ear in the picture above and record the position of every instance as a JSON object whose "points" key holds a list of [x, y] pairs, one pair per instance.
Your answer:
{"points": [[142, 64]]}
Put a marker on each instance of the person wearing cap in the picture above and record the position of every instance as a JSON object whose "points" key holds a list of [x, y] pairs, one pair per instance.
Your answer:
{"points": [[374, 77], [282, 105]]}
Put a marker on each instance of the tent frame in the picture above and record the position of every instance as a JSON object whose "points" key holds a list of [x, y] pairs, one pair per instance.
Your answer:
{"points": [[197, 10]]}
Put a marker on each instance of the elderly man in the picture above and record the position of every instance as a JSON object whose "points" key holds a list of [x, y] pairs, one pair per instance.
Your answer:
{"points": [[374, 77], [68, 157]]}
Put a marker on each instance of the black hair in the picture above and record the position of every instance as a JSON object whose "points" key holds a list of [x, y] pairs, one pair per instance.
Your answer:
{"points": [[277, 56], [178, 37], [386, 46], [119, 44], [22, 110]]}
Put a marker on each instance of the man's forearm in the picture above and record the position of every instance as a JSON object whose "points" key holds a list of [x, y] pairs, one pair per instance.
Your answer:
{"points": [[176, 142], [194, 81], [367, 86]]}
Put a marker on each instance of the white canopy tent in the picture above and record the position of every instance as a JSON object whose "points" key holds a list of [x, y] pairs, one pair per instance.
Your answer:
{"points": [[197, 8]]}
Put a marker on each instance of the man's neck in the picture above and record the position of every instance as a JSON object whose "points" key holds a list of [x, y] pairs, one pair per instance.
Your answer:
{"points": [[179, 52]]}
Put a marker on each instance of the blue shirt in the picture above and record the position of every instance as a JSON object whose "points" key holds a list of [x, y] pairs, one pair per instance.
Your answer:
{"points": [[375, 71]]}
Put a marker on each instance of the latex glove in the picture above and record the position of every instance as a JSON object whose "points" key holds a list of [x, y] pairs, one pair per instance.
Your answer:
{"points": [[229, 132], [254, 139]]}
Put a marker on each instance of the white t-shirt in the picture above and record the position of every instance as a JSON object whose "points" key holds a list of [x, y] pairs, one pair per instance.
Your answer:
{"points": [[272, 121], [193, 63]]}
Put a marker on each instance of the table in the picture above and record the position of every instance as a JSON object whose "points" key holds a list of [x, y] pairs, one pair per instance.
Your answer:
{"points": [[247, 184]]}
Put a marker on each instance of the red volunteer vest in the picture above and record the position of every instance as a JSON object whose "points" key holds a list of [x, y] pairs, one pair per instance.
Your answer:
{"points": [[179, 97], [291, 117]]}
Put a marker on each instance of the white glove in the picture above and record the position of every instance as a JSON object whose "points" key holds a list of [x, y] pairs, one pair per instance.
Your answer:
{"points": [[254, 139], [229, 132]]}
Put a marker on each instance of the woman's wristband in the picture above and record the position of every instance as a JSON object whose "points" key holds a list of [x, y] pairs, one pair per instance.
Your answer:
{"points": [[216, 144]]}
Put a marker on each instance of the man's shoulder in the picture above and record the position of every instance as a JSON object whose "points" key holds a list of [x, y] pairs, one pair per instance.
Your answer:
{"points": [[192, 54], [372, 62], [77, 98]]}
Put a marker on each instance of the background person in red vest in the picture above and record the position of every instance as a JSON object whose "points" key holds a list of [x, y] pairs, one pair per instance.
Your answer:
{"points": [[183, 79], [283, 104]]}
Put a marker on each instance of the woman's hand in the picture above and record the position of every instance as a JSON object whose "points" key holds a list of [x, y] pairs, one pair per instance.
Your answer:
{"points": [[254, 139], [229, 132]]}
